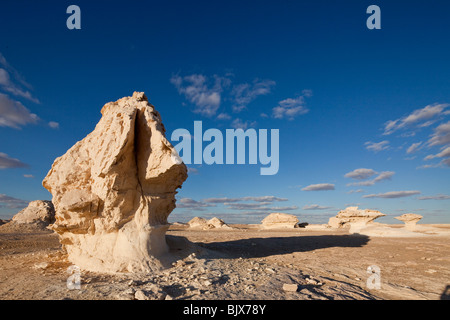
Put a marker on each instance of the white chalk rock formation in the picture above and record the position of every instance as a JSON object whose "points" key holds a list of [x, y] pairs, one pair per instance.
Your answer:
{"points": [[410, 220], [202, 223], [114, 190], [279, 220], [355, 218], [37, 212]]}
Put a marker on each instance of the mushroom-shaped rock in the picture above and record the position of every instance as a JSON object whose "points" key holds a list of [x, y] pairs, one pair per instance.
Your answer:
{"points": [[37, 212], [279, 220], [114, 190], [354, 217], [410, 220]]}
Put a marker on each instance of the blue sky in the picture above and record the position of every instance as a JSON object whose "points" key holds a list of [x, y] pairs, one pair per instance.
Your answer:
{"points": [[363, 114]]}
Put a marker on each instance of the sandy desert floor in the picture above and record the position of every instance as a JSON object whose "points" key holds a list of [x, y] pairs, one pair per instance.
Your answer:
{"points": [[242, 263]]}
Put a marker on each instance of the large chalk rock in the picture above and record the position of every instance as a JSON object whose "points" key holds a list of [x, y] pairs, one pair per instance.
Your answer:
{"points": [[355, 218], [114, 190], [410, 220], [279, 220], [37, 212]]}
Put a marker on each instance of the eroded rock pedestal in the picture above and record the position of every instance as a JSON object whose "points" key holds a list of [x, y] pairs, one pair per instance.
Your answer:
{"points": [[355, 218], [114, 190], [410, 220]]}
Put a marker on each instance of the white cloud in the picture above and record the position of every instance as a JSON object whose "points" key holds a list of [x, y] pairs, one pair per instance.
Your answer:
{"points": [[377, 146], [203, 93], [319, 187], [14, 84], [240, 124], [13, 114], [29, 176], [356, 191], [436, 197], [53, 125], [445, 154], [420, 117], [360, 174], [414, 148], [188, 203], [12, 203], [245, 93], [385, 175], [441, 135], [290, 108], [256, 199], [7, 162], [315, 207], [393, 194], [223, 116]]}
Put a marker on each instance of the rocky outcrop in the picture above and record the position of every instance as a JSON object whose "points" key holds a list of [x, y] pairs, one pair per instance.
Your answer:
{"points": [[37, 212], [202, 223], [354, 218], [114, 190], [279, 220], [410, 220]]}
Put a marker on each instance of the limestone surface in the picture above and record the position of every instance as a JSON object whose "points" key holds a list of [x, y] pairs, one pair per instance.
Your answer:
{"points": [[279, 220], [114, 190], [37, 212]]}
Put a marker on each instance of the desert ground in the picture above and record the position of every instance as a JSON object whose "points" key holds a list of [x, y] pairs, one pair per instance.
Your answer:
{"points": [[240, 263]]}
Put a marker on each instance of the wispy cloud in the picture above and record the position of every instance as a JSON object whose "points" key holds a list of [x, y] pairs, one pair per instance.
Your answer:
{"points": [[385, 175], [53, 125], [256, 199], [444, 154], [13, 114], [188, 203], [360, 174], [356, 191], [291, 107], [13, 83], [436, 197], [377, 146], [243, 94], [420, 118], [12, 203], [393, 194], [315, 207], [202, 92], [441, 135], [6, 162], [414, 148], [241, 124], [319, 187]]}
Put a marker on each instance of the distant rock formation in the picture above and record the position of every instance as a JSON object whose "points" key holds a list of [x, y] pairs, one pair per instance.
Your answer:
{"points": [[114, 190], [39, 212], [410, 220], [279, 220], [2, 222], [213, 223], [355, 218]]}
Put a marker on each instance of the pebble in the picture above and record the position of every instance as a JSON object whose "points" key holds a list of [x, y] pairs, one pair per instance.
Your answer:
{"points": [[290, 287]]}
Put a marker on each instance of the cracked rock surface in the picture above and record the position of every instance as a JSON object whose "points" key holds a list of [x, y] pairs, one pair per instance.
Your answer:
{"points": [[114, 190]]}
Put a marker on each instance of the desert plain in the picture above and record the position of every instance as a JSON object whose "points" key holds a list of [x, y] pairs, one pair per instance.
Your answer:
{"points": [[242, 262]]}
